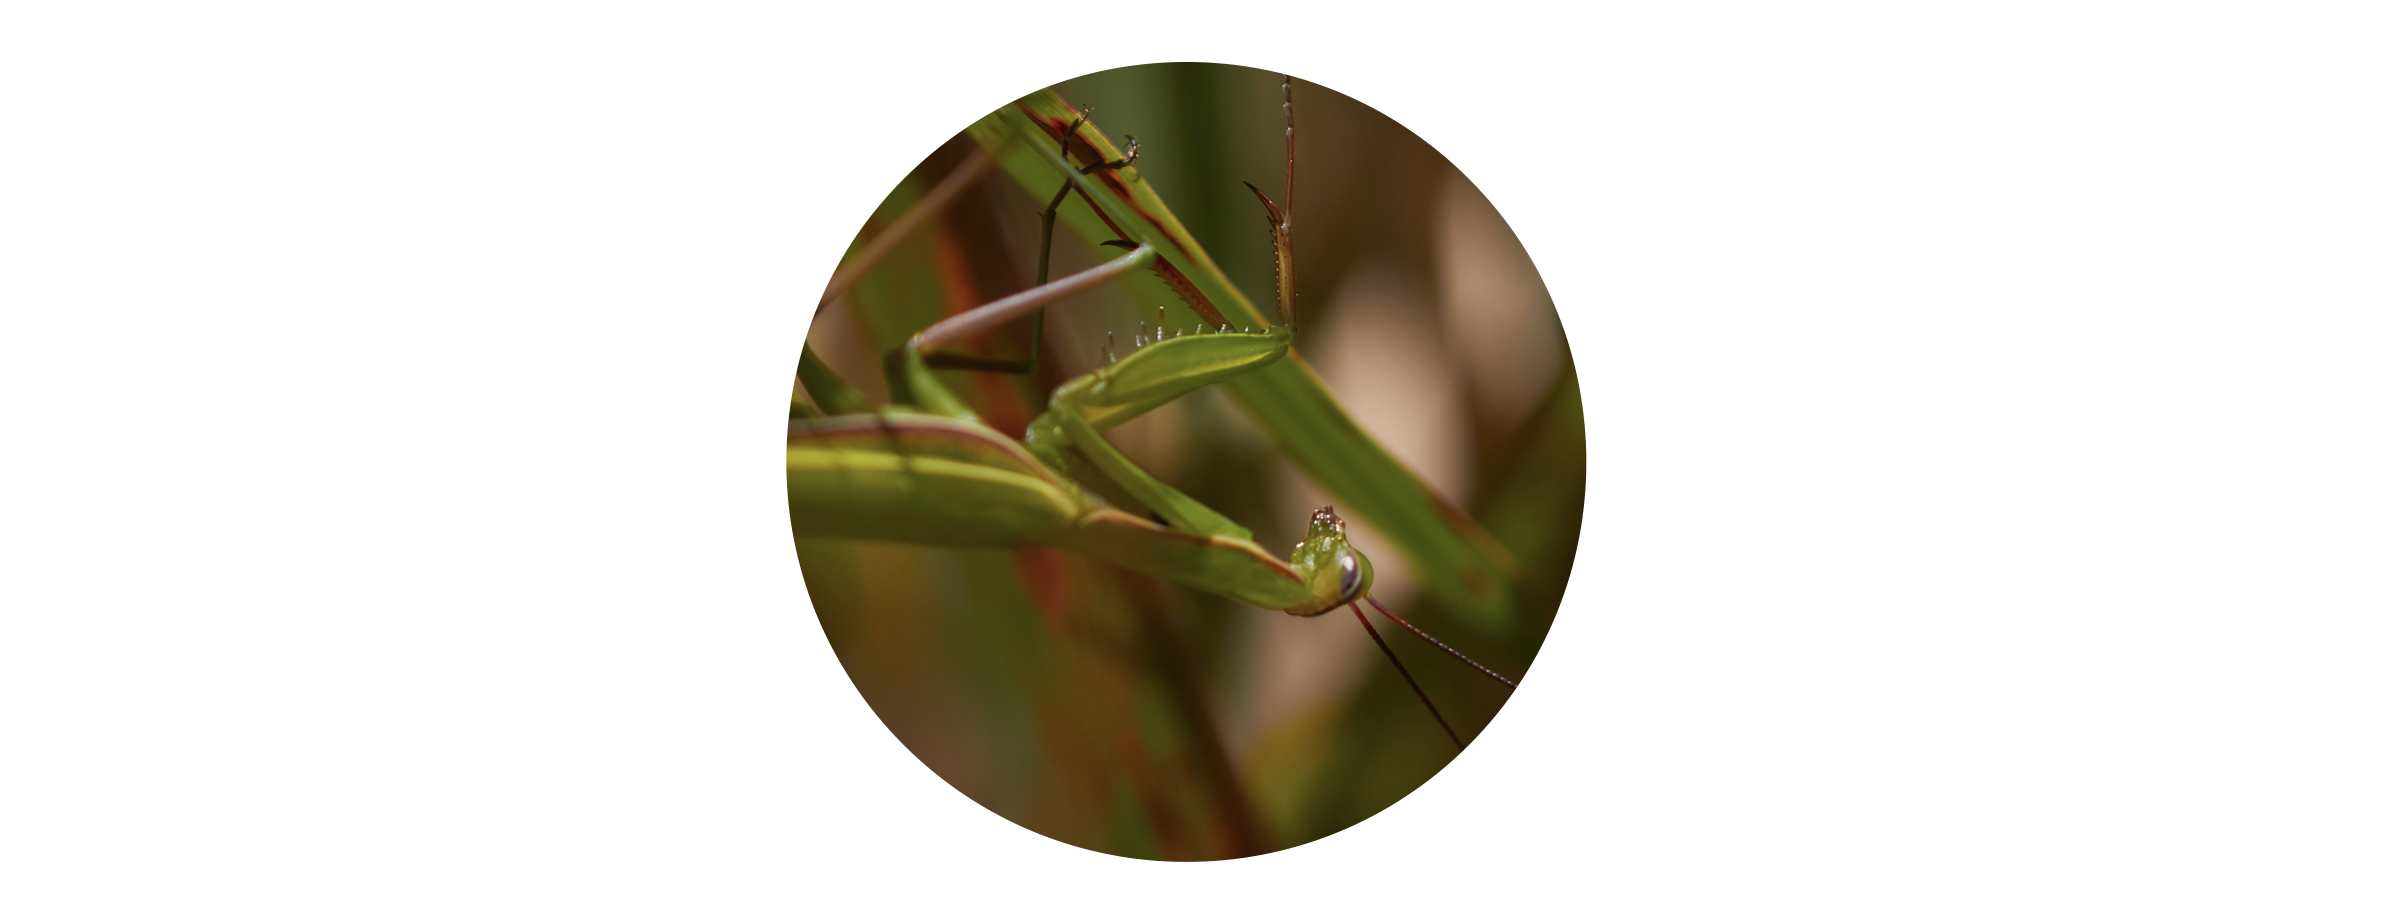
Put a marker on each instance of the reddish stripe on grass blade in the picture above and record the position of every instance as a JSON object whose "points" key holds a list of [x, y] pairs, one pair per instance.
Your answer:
{"points": [[1043, 572]]}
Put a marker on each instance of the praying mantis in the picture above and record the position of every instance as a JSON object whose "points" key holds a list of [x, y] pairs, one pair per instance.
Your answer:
{"points": [[1057, 690]]}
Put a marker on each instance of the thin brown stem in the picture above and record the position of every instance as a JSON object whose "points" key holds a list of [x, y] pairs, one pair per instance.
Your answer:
{"points": [[933, 202], [1412, 681], [1182, 680], [1379, 607]]}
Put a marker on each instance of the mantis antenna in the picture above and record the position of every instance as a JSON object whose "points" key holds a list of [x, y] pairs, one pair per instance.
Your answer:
{"points": [[1388, 614], [1287, 300], [1412, 681]]}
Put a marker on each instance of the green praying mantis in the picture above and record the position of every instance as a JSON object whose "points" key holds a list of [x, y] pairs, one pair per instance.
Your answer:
{"points": [[929, 470]]}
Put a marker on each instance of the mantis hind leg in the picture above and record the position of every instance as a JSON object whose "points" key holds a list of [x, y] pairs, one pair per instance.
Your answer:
{"points": [[946, 359], [951, 359]]}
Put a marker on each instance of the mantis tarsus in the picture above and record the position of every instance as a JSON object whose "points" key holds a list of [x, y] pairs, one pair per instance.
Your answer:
{"points": [[1081, 574]]}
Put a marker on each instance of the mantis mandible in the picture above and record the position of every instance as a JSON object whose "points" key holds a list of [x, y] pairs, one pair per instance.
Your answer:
{"points": [[1174, 363]]}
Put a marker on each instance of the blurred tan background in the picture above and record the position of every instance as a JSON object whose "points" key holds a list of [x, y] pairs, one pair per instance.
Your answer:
{"points": [[1132, 716]]}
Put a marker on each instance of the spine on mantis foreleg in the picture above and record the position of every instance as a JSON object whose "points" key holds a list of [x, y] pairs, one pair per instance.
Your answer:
{"points": [[1165, 370], [1067, 435]]}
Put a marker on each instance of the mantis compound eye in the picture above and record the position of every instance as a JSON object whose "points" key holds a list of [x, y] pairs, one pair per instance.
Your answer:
{"points": [[1354, 580]]}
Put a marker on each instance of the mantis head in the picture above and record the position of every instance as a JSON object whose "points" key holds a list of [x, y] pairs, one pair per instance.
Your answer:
{"points": [[1336, 572]]}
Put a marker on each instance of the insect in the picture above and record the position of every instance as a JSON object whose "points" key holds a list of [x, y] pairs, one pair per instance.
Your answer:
{"points": [[1057, 690]]}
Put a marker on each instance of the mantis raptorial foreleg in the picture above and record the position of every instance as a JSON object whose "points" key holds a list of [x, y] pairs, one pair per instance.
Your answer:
{"points": [[932, 472], [936, 474], [929, 471]]}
